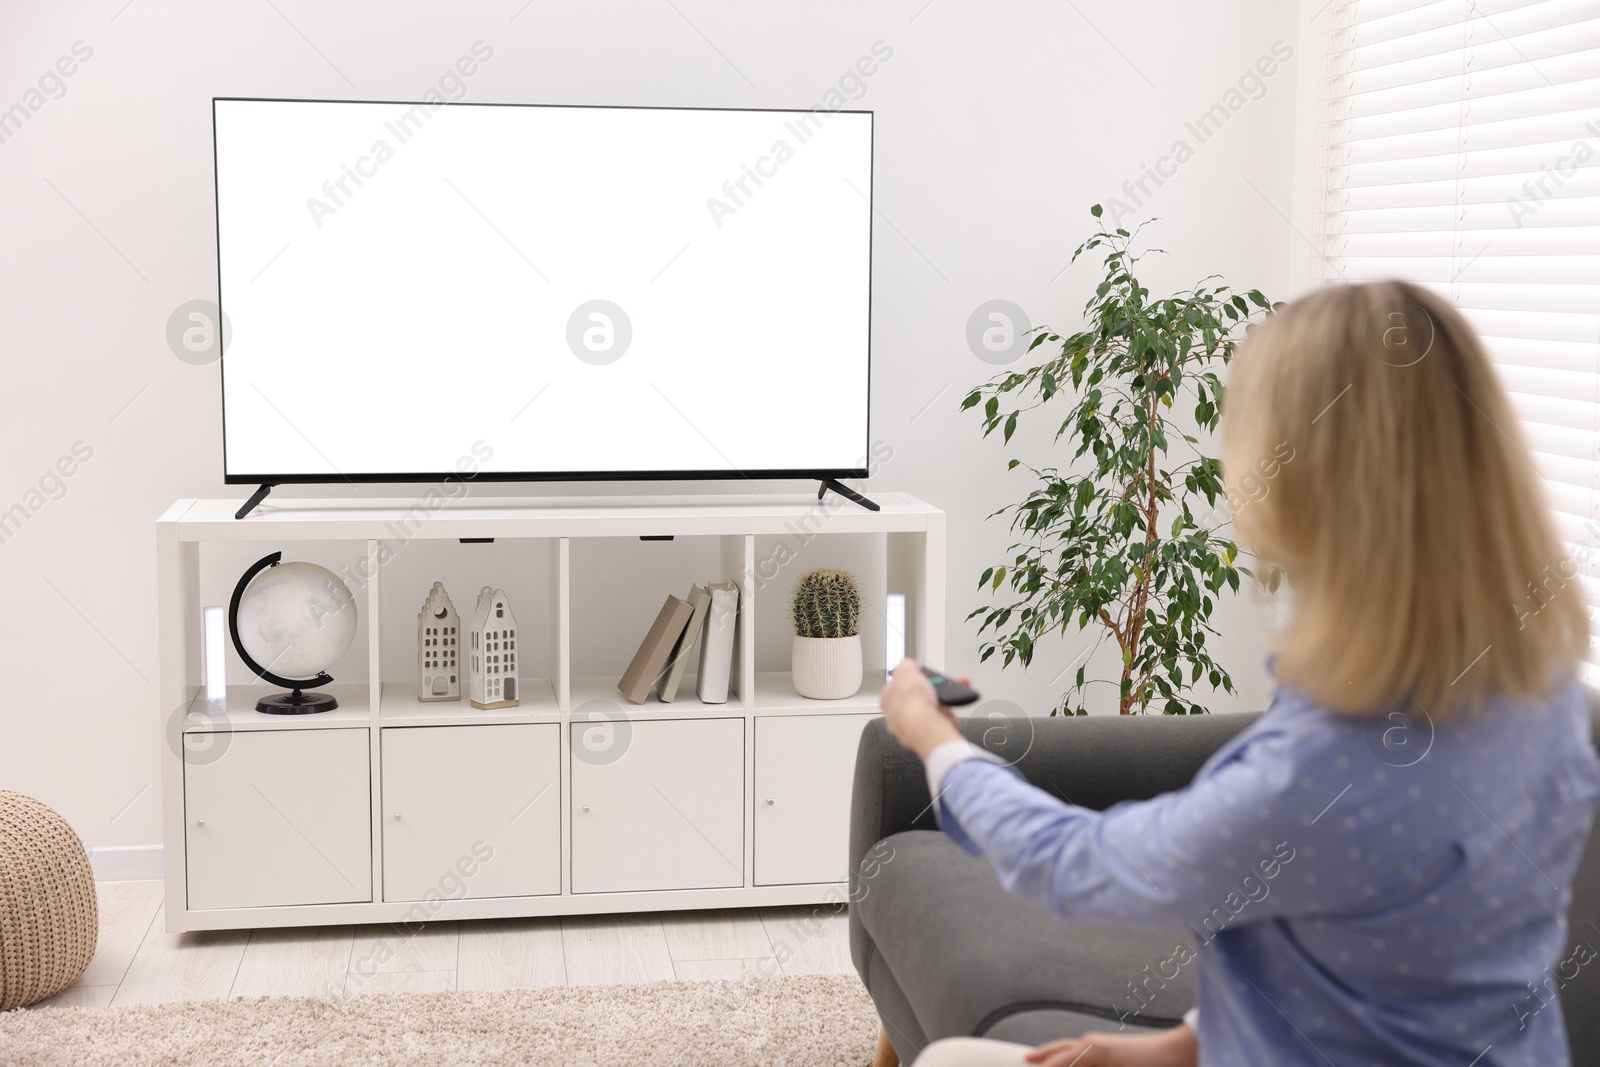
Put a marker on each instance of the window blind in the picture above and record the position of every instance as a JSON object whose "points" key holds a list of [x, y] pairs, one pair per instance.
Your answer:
{"points": [[1459, 147]]}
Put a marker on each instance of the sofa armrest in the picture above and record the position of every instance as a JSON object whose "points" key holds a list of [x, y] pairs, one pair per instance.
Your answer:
{"points": [[890, 794], [1093, 761]]}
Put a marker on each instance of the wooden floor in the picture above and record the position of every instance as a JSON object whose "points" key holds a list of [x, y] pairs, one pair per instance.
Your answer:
{"points": [[138, 962]]}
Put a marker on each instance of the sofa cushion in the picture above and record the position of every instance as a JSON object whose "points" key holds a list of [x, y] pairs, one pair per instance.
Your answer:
{"points": [[968, 955], [1036, 1026]]}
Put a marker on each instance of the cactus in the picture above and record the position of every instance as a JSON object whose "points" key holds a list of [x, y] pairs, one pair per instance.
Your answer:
{"points": [[827, 603]]}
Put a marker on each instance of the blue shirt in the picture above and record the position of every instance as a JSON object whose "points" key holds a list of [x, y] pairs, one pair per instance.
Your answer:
{"points": [[1354, 891]]}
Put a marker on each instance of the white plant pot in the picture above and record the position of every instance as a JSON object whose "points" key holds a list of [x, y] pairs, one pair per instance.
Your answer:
{"points": [[827, 668]]}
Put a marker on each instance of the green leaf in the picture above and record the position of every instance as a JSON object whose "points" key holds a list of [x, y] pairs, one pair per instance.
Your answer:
{"points": [[1093, 210]]}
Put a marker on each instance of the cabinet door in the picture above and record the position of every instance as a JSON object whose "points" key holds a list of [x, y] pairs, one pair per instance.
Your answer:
{"points": [[471, 811], [805, 767], [667, 813], [284, 817]]}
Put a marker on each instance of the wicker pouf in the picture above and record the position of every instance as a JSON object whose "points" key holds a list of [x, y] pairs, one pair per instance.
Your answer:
{"points": [[49, 920]]}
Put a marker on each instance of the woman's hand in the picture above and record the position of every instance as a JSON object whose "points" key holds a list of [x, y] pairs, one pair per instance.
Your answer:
{"points": [[1169, 1048], [913, 712]]}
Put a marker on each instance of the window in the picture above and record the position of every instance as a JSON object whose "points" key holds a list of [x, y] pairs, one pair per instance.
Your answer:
{"points": [[1459, 147]]}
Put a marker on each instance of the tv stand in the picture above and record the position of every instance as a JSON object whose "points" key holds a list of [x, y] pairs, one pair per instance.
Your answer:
{"points": [[255, 498], [844, 491], [394, 809]]}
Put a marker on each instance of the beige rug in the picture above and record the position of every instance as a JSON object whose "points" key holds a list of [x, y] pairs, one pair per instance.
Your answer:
{"points": [[817, 1021]]}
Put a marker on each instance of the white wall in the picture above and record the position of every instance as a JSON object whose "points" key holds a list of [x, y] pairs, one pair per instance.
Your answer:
{"points": [[998, 124]]}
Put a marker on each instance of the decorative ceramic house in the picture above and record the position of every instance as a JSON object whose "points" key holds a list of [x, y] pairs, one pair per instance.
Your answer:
{"points": [[438, 647], [493, 651]]}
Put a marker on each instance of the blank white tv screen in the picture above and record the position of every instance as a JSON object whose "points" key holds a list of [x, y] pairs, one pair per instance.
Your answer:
{"points": [[542, 291]]}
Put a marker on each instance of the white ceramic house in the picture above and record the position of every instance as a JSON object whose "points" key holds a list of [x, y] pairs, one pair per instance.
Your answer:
{"points": [[492, 637], [438, 647]]}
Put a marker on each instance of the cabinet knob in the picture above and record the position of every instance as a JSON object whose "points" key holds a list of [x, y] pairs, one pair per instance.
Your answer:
{"points": [[199, 822], [586, 807], [397, 816], [769, 802]]}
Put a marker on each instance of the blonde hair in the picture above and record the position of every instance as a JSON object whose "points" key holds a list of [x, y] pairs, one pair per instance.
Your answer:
{"points": [[1407, 515]]}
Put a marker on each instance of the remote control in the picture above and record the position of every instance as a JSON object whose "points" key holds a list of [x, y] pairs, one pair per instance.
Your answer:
{"points": [[951, 693]]}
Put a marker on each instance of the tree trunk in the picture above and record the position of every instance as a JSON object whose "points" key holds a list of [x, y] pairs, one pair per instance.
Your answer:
{"points": [[1141, 598]]}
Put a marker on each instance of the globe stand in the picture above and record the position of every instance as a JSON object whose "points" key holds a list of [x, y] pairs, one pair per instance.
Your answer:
{"points": [[291, 703], [296, 703]]}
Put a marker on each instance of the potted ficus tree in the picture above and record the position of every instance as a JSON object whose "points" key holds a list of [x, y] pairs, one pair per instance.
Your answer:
{"points": [[1118, 539], [826, 608]]}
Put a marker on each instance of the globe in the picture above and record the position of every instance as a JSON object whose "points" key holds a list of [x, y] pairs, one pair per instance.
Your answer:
{"points": [[293, 621]]}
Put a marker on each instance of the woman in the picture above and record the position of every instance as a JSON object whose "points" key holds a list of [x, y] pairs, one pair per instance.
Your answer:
{"points": [[1377, 869]]}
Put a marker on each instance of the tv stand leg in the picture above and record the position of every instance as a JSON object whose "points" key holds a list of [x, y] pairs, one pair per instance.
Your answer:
{"points": [[255, 498], [846, 492]]}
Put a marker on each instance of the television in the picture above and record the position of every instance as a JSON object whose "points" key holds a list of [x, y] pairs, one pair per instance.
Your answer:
{"points": [[536, 292]]}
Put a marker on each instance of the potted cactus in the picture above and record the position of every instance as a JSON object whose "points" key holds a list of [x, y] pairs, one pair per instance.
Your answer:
{"points": [[826, 606]]}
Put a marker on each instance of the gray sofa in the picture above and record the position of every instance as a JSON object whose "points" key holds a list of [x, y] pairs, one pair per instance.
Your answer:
{"points": [[945, 952]]}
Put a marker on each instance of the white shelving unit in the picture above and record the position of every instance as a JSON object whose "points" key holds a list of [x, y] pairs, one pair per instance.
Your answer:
{"points": [[390, 809]]}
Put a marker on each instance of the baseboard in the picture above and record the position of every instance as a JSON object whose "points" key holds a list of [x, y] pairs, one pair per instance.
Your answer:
{"points": [[126, 863]]}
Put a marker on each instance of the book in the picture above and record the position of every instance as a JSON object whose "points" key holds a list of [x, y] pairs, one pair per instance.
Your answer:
{"points": [[678, 664], [652, 655], [716, 643]]}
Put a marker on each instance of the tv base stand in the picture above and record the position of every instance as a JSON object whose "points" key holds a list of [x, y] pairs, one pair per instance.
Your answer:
{"points": [[255, 498], [844, 491]]}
